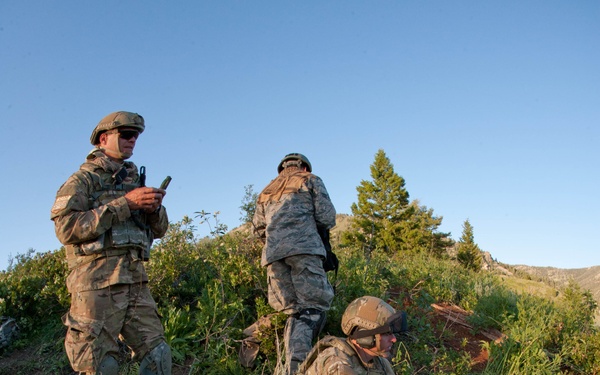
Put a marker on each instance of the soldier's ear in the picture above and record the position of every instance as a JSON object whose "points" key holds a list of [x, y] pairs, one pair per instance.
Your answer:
{"points": [[102, 138]]}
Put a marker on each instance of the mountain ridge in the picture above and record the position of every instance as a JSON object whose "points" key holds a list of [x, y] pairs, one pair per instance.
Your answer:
{"points": [[588, 278]]}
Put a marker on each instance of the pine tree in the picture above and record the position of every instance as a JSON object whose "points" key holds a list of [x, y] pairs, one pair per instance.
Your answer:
{"points": [[385, 219], [382, 205], [420, 232], [469, 254]]}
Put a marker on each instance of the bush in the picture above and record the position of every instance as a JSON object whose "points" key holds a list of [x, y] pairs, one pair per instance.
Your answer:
{"points": [[33, 291], [208, 290]]}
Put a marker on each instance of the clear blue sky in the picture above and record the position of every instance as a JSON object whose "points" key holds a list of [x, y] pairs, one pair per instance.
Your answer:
{"points": [[490, 110]]}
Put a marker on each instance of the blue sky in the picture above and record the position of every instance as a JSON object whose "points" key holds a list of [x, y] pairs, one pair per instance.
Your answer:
{"points": [[489, 110]]}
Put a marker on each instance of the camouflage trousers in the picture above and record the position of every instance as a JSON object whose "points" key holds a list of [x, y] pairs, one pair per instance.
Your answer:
{"points": [[297, 283], [298, 286], [97, 318]]}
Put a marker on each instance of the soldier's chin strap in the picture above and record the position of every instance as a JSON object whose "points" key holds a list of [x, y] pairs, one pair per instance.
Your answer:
{"points": [[117, 149], [376, 350], [395, 324]]}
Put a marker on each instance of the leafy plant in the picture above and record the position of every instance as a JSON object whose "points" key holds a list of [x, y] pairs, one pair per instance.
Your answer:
{"points": [[209, 290]]}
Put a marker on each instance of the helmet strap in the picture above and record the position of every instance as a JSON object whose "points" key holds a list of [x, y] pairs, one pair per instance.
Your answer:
{"points": [[376, 350], [115, 149]]}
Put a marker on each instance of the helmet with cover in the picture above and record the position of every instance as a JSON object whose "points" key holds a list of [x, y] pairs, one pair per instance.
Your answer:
{"points": [[117, 120], [294, 157], [367, 316]]}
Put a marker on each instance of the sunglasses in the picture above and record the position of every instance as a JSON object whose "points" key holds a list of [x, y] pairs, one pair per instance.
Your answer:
{"points": [[125, 134], [128, 134]]}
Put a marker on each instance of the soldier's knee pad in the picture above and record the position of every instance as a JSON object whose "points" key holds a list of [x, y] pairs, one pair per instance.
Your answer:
{"points": [[108, 366], [157, 361]]}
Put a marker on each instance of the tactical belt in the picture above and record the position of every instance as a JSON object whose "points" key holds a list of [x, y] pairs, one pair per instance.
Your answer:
{"points": [[79, 260]]}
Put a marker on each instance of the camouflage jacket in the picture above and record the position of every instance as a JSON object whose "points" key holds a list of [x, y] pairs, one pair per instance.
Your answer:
{"points": [[287, 213], [336, 356], [104, 241]]}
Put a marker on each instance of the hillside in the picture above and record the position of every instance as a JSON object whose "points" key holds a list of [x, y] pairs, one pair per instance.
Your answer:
{"points": [[587, 278], [545, 281], [208, 290]]}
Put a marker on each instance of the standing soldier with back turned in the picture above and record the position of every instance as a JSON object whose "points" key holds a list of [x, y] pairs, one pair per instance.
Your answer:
{"points": [[289, 212], [107, 219]]}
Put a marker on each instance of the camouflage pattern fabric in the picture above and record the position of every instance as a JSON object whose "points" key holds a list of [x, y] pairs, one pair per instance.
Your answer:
{"points": [[81, 221], [104, 249], [85, 227], [336, 356], [297, 283], [299, 335], [288, 212], [98, 317], [287, 222]]}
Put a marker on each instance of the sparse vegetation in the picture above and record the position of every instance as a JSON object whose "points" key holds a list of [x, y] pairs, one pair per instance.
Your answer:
{"points": [[209, 290], [462, 320]]}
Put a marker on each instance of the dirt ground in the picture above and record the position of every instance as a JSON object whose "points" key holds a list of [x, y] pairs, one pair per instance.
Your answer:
{"points": [[461, 338]]}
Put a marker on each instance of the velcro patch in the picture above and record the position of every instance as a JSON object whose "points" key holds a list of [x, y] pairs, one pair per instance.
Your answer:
{"points": [[60, 203]]}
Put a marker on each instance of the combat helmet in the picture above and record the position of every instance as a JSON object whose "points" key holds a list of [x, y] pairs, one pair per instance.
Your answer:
{"points": [[367, 316], [294, 156], [117, 120]]}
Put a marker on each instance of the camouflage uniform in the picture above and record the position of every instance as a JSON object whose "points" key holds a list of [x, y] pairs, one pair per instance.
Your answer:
{"points": [[105, 244], [287, 214], [336, 356]]}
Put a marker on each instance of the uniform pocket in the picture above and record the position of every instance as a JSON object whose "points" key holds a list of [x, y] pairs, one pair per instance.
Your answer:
{"points": [[91, 247], [314, 287], [80, 341], [276, 294]]}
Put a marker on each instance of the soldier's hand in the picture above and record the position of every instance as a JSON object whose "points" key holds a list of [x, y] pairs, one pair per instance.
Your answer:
{"points": [[145, 198]]}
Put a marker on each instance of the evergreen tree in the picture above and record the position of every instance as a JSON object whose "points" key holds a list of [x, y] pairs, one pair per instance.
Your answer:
{"points": [[469, 254], [382, 205], [385, 219], [420, 232]]}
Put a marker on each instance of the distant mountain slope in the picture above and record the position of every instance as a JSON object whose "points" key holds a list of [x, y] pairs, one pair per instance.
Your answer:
{"points": [[588, 278]]}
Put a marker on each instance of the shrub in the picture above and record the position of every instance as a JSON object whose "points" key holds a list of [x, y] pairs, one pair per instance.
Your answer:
{"points": [[33, 291], [209, 290]]}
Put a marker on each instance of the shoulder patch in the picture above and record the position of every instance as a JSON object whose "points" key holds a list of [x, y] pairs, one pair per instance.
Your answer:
{"points": [[60, 203]]}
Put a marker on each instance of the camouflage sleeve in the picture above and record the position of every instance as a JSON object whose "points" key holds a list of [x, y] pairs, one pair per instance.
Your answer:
{"points": [[334, 362], [74, 220], [324, 210], [338, 368], [387, 367], [159, 222]]}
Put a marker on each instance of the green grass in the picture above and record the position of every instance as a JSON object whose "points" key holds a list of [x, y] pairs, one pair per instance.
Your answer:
{"points": [[208, 291]]}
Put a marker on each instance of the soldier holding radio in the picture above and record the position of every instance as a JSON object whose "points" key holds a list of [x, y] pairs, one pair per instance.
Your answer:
{"points": [[107, 219]]}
